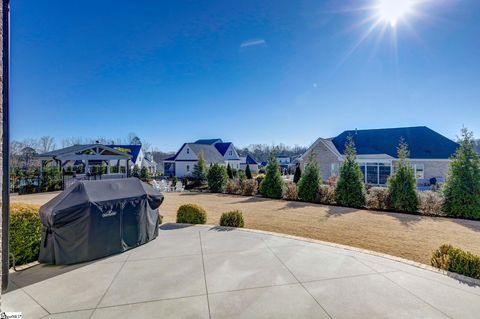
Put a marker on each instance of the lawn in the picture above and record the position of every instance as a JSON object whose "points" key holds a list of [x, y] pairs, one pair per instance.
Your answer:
{"points": [[408, 236]]}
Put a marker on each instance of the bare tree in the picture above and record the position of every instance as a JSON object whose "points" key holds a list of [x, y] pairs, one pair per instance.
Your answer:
{"points": [[70, 141], [46, 144]]}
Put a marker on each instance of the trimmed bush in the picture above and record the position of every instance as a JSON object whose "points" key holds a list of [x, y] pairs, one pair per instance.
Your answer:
{"points": [[378, 198], [233, 187], [232, 219], [217, 178], [25, 232], [249, 187], [456, 260], [326, 195], [462, 188], [402, 184], [191, 214], [310, 181], [272, 184], [430, 203], [350, 189], [297, 175], [290, 191]]}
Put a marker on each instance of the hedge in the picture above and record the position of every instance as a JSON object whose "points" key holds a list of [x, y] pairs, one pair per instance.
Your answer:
{"points": [[25, 232], [456, 260]]}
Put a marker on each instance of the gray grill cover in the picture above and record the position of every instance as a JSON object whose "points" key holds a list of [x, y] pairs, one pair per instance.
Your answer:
{"points": [[93, 219]]}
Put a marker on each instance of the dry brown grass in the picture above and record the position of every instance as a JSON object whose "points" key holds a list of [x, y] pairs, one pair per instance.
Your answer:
{"points": [[408, 236]]}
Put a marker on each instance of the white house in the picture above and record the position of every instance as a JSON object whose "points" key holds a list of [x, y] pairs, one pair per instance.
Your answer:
{"points": [[214, 151], [139, 158], [250, 161], [430, 153]]}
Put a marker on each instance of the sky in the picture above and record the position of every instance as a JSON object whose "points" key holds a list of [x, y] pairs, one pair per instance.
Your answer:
{"points": [[245, 71]]}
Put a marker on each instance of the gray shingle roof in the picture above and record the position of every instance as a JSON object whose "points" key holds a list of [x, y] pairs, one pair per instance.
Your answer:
{"points": [[210, 153]]}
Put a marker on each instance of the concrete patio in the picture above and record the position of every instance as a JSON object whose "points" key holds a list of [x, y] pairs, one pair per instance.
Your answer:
{"points": [[202, 272]]}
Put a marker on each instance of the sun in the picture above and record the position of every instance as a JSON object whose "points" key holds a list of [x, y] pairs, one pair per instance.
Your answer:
{"points": [[391, 11]]}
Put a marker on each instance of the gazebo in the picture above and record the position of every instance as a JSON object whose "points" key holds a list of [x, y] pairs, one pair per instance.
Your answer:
{"points": [[88, 156]]}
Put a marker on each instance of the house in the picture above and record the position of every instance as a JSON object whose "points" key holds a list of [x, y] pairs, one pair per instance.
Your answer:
{"points": [[250, 161], [430, 153], [213, 150], [139, 158]]}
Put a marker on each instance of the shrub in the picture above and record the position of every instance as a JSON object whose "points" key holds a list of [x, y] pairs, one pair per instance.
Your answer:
{"points": [[297, 175], [232, 219], [191, 214], [462, 188], [310, 181], [350, 190], [430, 203], [272, 184], [25, 232], [456, 260], [145, 174], [378, 198], [259, 178], [249, 187], [217, 178], [233, 187], [402, 184], [199, 173], [248, 172], [229, 171], [326, 195], [332, 181], [290, 191]]}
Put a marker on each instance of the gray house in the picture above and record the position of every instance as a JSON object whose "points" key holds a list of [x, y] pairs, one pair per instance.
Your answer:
{"points": [[430, 153]]}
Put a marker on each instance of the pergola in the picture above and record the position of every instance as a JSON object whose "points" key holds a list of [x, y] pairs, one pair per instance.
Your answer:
{"points": [[89, 155]]}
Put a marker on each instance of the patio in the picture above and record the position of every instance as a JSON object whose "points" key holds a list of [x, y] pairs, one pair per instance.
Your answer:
{"points": [[202, 272]]}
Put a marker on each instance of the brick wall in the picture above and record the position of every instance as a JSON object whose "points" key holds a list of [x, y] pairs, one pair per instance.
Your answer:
{"points": [[325, 158]]}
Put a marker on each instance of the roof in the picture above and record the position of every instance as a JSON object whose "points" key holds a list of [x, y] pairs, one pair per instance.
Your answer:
{"points": [[423, 143], [222, 147], [132, 150], [213, 150], [249, 160], [210, 153], [209, 141], [75, 150]]}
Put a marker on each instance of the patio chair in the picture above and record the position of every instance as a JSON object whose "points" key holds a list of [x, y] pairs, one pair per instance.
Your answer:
{"points": [[179, 187]]}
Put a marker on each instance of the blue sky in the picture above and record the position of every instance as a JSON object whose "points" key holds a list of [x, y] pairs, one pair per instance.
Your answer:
{"points": [[245, 71]]}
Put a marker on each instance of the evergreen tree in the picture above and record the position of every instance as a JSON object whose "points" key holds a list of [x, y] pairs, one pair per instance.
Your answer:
{"points": [[229, 171], [199, 173], [272, 184], [297, 175], [136, 171], [310, 181], [217, 178], [402, 184], [350, 189], [144, 174], [248, 173], [462, 188]]}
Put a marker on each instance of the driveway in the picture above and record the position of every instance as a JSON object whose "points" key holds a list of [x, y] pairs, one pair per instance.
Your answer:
{"points": [[202, 272]]}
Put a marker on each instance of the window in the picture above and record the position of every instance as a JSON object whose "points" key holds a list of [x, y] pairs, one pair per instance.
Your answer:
{"points": [[376, 173], [188, 151], [230, 153], [188, 168], [334, 170], [419, 170]]}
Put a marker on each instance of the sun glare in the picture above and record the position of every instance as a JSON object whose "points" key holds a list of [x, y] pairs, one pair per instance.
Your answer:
{"points": [[393, 10]]}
